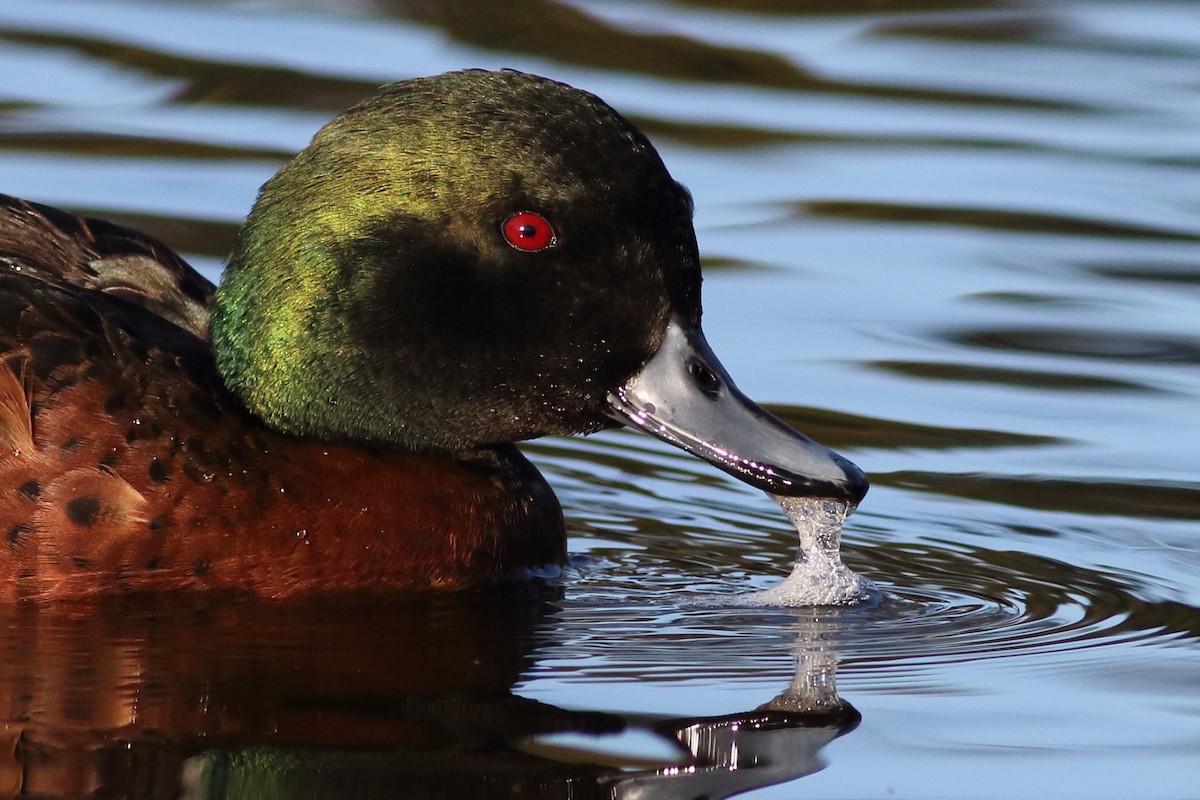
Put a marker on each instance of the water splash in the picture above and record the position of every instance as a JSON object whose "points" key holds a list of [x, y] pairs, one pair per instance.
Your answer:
{"points": [[819, 577]]}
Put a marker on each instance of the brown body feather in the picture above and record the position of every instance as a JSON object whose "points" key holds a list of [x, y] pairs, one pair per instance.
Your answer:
{"points": [[125, 463]]}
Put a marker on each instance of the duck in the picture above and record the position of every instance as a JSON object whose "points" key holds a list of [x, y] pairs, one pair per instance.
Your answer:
{"points": [[456, 264]]}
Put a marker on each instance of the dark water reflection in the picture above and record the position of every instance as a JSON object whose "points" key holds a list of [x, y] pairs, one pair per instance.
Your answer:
{"points": [[364, 697], [991, 219], [956, 240], [1053, 494]]}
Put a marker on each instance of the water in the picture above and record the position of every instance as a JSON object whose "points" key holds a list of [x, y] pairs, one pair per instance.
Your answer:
{"points": [[819, 577], [956, 241]]}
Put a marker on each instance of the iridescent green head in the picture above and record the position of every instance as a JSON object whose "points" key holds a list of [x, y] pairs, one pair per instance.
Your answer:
{"points": [[479, 258], [375, 294]]}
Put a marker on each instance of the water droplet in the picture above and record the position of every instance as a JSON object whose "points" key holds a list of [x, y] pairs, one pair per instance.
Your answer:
{"points": [[819, 577]]}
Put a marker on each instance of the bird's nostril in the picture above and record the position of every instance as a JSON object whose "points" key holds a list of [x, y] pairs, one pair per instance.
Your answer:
{"points": [[704, 377]]}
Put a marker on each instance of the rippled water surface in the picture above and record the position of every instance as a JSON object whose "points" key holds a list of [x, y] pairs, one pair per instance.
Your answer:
{"points": [[959, 242]]}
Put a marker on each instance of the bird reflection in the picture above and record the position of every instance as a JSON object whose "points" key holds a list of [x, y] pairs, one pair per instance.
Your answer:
{"points": [[358, 699], [778, 742]]}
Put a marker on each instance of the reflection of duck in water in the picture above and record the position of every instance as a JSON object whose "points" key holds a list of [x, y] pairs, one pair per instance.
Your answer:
{"points": [[271, 700], [457, 263]]}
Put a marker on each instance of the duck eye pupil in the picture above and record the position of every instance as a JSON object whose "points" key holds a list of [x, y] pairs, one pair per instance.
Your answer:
{"points": [[528, 231]]}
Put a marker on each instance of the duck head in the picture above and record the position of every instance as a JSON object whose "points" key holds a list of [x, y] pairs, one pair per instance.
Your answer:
{"points": [[484, 257]]}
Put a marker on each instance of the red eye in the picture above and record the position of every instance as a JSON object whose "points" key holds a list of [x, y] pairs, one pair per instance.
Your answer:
{"points": [[528, 231]]}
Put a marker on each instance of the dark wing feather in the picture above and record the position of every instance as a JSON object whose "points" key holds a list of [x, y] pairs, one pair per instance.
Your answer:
{"points": [[95, 254]]}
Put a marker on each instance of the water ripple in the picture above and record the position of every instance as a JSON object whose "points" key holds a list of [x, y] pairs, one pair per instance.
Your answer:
{"points": [[992, 219], [655, 578], [964, 607]]}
